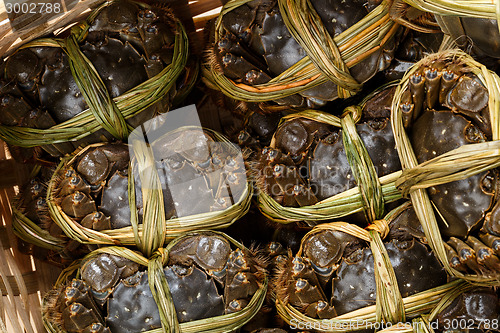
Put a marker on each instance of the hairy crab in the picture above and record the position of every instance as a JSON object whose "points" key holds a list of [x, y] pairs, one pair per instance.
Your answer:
{"points": [[39, 235], [127, 44], [334, 272], [256, 42], [207, 276], [197, 172], [444, 106], [307, 162]]}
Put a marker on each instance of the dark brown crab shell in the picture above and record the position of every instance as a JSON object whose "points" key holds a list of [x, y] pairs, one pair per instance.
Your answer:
{"points": [[38, 89], [128, 304], [257, 45], [445, 107], [334, 272]]}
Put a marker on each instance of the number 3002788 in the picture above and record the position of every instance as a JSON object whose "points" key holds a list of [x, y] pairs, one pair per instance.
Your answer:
{"points": [[33, 8], [470, 324]]}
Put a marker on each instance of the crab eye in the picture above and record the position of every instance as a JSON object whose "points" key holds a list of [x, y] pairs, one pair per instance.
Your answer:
{"points": [[75, 180], [40, 202]]}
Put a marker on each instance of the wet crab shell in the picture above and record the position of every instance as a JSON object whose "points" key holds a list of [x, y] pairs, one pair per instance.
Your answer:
{"points": [[256, 46], [476, 306], [114, 292], [445, 106], [126, 43], [333, 273]]}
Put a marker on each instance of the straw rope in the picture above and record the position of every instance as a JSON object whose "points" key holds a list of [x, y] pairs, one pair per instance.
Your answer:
{"points": [[467, 8], [154, 229], [104, 112], [370, 194]]}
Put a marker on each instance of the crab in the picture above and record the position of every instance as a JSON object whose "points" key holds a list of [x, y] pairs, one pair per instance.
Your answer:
{"points": [[307, 162], [205, 275], [257, 46], [444, 107], [197, 175], [37, 88], [333, 272], [53, 246]]}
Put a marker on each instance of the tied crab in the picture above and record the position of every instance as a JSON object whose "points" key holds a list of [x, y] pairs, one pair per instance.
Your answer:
{"points": [[51, 244], [206, 278], [256, 46], [444, 107], [307, 161], [126, 43], [333, 272], [197, 174]]}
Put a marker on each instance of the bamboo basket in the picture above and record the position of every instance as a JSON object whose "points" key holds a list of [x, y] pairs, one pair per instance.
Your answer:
{"points": [[23, 278]]}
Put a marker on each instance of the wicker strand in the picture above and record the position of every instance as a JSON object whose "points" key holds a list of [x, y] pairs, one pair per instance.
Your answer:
{"points": [[308, 30], [444, 169], [362, 168]]}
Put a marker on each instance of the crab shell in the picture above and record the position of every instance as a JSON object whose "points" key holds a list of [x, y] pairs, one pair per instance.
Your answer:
{"points": [[127, 44], [480, 34], [257, 46], [115, 294], [476, 307]]}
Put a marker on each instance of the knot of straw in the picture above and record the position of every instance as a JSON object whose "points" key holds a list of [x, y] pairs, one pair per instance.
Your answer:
{"points": [[362, 166], [380, 226], [161, 291], [457, 164], [308, 30]]}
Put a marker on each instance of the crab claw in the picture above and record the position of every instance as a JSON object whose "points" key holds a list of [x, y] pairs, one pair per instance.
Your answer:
{"points": [[466, 254], [76, 317], [78, 204]]}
